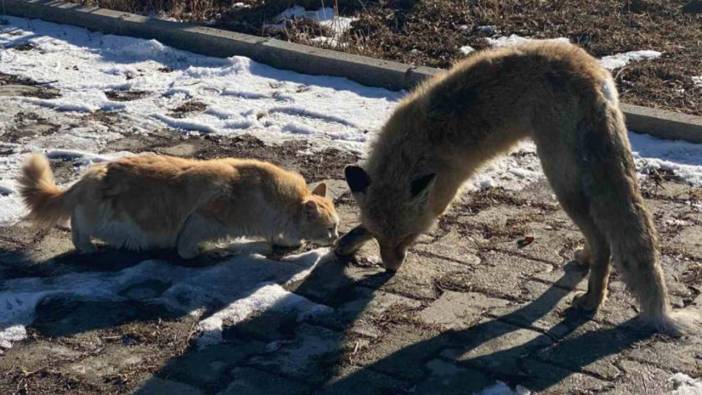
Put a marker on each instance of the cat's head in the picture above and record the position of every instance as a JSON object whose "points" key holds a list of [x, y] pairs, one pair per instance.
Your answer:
{"points": [[319, 221]]}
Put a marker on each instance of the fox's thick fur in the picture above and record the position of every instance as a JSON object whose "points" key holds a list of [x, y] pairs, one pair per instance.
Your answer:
{"points": [[154, 201], [559, 96]]}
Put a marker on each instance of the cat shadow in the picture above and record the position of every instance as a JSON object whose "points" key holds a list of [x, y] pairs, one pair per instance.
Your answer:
{"points": [[79, 292]]}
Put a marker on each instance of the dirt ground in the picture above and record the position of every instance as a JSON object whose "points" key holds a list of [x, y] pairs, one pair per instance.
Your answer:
{"points": [[475, 303], [430, 32]]}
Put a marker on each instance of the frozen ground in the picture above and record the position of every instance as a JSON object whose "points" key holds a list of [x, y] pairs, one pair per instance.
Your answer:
{"points": [[117, 322]]}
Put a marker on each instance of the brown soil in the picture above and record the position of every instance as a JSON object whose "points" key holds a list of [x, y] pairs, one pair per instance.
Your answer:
{"points": [[430, 32], [188, 107], [117, 95]]}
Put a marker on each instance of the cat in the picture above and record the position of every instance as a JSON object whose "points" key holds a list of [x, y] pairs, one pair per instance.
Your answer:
{"points": [[155, 201]]}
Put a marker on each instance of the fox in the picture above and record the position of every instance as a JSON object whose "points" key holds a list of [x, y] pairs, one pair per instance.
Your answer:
{"points": [[446, 128], [152, 201]]}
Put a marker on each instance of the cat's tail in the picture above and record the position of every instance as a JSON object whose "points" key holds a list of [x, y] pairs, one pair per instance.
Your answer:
{"points": [[46, 202]]}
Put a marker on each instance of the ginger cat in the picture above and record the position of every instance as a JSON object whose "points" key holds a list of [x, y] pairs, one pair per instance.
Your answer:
{"points": [[155, 201]]}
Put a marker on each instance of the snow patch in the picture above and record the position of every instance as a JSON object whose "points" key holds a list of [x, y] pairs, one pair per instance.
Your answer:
{"points": [[325, 17], [501, 388], [251, 278], [697, 81], [268, 297], [622, 59], [466, 49], [84, 65], [515, 39], [685, 385]]}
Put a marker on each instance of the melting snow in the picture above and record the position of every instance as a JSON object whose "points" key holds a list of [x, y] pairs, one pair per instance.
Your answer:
{"points": [[325, 17], [515, 39], [622, 59], [686, 385], [237, 288], [501, 388], [238, 92]]}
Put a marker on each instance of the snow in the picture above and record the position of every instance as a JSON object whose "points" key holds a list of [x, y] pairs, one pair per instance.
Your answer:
{"points": [[622, 59], [501, 388], [610, 62], [238, 92], [235, 289], [515, 39], [325, 17], [697, 81], [466, 49], [685, 385]]}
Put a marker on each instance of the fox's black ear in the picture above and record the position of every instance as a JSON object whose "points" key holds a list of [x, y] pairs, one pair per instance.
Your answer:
{"points": [[357, 178], [421, 184]]}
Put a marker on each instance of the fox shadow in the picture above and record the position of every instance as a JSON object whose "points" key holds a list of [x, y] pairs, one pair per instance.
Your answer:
{"points": [[271, 343]]}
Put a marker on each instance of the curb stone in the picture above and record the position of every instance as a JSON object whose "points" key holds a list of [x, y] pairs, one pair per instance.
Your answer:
{"points": [[300, 58]]}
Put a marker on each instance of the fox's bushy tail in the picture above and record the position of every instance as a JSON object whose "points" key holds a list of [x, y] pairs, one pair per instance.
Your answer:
{"points": [[46, 201]]}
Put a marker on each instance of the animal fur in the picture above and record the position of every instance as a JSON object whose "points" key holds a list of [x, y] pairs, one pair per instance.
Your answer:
{"points": [[153, 201], [559, 96]]}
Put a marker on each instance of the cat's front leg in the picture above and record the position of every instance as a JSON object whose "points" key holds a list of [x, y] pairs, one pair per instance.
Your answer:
{"points": [[196, 230], [286, 241]]}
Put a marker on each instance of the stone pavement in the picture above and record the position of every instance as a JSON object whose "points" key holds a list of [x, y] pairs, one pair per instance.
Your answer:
{"points": [[470, 307]]}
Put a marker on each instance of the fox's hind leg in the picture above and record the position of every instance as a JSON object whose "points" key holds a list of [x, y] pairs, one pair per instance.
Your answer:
{"points": [[560, 165], [596, 254], [81, 238]]}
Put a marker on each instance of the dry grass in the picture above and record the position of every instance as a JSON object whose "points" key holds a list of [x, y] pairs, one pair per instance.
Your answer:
{"points": [[430, 32]]}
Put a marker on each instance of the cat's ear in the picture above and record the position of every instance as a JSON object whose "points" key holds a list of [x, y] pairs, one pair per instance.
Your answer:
{"points": [[320, 190]]}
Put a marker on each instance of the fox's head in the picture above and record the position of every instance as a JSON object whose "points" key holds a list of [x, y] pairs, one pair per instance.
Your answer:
{"points": [[395, 210]]}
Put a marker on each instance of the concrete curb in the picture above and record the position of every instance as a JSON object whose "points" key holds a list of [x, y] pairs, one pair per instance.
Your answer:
{"points": [[300, 58]]}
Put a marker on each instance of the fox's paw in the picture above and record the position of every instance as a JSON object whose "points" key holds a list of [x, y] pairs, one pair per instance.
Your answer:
{"points": [[86, 248], [582, 256], [588, 302]]}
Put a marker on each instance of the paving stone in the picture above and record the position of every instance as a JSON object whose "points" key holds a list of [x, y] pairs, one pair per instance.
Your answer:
{"points": [[641, 379], [358, 314], [498, 274], [544, 378], [459, 310], [453, 247], [309, 356], [495, 346], [549, 245], [353, 380], [208, 366], [333, 282], [446, 378], [418, 275], [677, 355], [592, 348], [402, 351], [249, 381], [157, 386], [690, 240], [547, 310]]}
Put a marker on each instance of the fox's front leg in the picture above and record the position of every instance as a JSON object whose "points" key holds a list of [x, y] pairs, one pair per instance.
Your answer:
{"points": [[196, 230]]}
